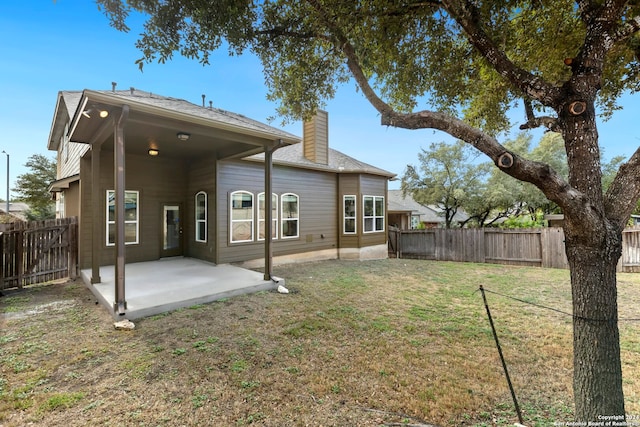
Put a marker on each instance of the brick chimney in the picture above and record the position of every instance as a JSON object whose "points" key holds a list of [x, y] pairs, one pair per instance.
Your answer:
{"points": [[315, 138]]}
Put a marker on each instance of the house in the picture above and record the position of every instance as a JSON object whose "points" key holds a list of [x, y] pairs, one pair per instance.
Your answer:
{"points": [[17, 212], [406, 214], [151, 177]]}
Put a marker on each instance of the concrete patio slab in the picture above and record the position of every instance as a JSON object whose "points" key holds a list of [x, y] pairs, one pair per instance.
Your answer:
{"points": [[167, 284]]}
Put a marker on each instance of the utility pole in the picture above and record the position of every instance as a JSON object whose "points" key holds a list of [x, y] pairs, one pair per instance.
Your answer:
{"points": [[7, 212]]}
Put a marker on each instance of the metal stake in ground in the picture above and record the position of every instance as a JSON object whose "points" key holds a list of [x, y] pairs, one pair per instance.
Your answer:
{"points": [[504, 364]]}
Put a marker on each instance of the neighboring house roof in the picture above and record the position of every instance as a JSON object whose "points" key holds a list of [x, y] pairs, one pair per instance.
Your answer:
{"points": [[16, 210], [15, 207], [397, 202], [428, 213], [338, 162]]}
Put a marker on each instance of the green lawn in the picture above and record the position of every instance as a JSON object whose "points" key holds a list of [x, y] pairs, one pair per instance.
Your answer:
{"points": [[371, 343]]}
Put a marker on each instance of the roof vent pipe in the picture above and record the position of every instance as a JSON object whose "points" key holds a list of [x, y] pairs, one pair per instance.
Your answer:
{"points": [[113, 86], [203, 97]]}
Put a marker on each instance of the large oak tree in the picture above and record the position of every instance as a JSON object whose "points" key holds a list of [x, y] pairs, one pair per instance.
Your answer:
{"points": [[459, 66]]}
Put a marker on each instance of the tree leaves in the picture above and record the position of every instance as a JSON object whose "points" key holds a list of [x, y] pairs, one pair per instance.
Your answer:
{"points": [[33, 187]]}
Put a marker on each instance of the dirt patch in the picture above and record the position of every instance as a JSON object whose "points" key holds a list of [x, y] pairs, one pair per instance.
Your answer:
{"points": [[53, 306]]}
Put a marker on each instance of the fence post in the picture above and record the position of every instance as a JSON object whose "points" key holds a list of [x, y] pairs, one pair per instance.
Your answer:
{"points": [[544, 248], [19, 257], [73, 248]]}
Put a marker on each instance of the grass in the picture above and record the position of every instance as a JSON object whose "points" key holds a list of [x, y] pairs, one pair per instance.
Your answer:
{"points": [[375, 343]]}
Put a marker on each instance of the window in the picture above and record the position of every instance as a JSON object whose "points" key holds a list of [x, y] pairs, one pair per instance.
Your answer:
{"points": [[373, 213], [262, 216], [61, 205], [201, 217], [290, 215], [241, 216], [349, 214], [131, 210]]}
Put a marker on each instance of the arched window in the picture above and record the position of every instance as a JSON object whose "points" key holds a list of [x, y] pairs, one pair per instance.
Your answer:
{"points": [[290, 215], [201, 217], [262, 216], [241, 216]]}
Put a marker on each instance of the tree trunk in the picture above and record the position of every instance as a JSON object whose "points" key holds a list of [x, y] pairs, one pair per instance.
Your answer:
{"points": [[593, 247], [597, 378]]}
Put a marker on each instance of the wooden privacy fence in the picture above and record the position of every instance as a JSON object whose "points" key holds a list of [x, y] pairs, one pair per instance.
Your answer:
{"points": [[541, 247], [37, 252]]}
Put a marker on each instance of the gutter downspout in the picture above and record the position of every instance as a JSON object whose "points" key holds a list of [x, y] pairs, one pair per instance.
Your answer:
{"points": [[120, 303], [269, 148]]}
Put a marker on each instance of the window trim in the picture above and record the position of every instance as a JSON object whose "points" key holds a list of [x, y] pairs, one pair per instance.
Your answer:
{"points": [[284, 220], [263, 221], [136, 221], [198, 238], [344, 214], [251, 220], [375, 215]]}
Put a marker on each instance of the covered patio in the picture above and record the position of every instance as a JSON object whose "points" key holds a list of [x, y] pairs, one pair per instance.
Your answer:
{"points": [[167, 284]]}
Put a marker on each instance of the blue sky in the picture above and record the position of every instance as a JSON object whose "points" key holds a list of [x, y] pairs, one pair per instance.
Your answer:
{"points": [[68, 45]]}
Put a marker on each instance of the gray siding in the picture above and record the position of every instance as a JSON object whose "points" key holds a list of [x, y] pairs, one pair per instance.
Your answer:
{"points": [[361, 185], [318, 206], [69, 161], [350, 186], [156, 179], [371, 185], [72, 200], [160, 180], [69, 154]]}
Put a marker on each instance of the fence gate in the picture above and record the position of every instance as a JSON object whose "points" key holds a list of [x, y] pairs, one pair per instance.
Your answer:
{"points": [[38, 252]]}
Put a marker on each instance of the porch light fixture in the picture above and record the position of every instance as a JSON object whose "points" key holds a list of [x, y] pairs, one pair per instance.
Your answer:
{"points": [[183, 136], [153, 152], [102, 113]]}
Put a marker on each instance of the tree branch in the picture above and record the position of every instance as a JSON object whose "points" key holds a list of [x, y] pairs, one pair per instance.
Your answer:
{"points": [[466, 15], [626, 30], [620, 199], [552, 184], [534, 122], [548, 122]]}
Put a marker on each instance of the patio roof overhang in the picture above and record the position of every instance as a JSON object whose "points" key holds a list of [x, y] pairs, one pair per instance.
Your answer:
{"points": [[150, 126]]}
